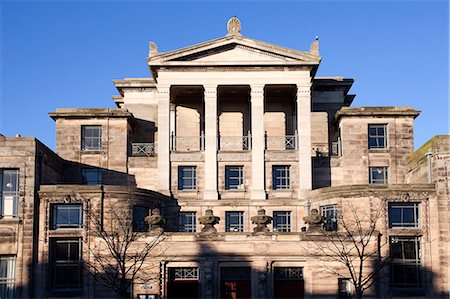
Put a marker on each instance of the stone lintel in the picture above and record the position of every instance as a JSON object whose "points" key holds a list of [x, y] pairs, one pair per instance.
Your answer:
{"points": [[90, 113], [390, 111]]}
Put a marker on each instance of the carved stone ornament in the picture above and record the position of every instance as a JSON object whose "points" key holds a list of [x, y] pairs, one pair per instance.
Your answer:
{"points": [[153, 49], [314, 48], [314, 219], [261, 220], [234, 26], [156, 221], [209, 220]]}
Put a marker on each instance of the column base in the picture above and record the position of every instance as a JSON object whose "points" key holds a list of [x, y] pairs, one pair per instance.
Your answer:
{"points": [[258, 195], [210, 195]]}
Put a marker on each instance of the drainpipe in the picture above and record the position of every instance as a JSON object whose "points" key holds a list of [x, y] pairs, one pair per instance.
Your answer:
{"points": [[429, 170]]}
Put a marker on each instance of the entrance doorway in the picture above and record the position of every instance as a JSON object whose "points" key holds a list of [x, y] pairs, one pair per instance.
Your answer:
{"points": [[235, 283], [288, 283], [183, 283]]}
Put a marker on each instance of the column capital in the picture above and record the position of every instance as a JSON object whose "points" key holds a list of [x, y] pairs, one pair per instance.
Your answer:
{"points": [[163, 88], [210, 90], [303, 87], [257, 89]]}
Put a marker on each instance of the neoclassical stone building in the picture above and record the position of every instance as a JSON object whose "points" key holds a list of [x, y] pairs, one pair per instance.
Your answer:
{"points": [[239, 144]]}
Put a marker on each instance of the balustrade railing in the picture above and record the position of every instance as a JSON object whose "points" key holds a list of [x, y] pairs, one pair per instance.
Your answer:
{"points": [[187, 143], [287, 142], [142, 149], [234, 142]]}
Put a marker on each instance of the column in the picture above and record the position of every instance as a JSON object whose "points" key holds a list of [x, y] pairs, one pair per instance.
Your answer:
{"points": [[210, 95], [164, 139], [304, 138], [258, 171]]}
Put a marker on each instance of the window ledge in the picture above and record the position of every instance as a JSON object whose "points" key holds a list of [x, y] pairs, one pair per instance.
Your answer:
{"points": [[10, 220], [379, 150], [92, 151]]}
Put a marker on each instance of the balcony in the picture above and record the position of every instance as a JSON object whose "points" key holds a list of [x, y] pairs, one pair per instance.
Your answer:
{"points": [[287, 142], [142, 149], [234, 143]]}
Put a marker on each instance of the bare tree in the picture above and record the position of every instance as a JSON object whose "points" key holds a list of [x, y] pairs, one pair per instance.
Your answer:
{"points": [[356, 245], [117, 256]]}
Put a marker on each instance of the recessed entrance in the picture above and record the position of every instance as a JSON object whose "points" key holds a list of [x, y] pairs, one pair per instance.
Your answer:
{"points": [[183, 283], [288, 282], [235, 283]]}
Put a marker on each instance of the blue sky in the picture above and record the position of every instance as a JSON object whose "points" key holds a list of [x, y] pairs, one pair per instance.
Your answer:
{"points": [[65, 54]]}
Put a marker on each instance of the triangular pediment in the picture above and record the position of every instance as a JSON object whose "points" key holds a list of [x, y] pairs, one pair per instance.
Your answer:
{"points": [[233, 50]]}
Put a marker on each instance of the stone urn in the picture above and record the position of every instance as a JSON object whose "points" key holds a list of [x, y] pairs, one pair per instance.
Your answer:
{"points": [[314, 220], [209, 220], [261, 220], [156, 221]]}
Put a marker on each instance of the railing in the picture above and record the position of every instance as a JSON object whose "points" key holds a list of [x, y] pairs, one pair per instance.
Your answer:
{"points": [[142, 149], [287, 142], [187, 143], [234, 142]]}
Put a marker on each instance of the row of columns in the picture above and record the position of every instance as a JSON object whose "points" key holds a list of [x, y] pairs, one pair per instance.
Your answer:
{"points": [[165, 120]]}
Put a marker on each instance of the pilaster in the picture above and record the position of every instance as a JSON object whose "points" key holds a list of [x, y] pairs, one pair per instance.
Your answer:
{"points": [[164, 139], [210, 96], [258, 173], [304, 137]]}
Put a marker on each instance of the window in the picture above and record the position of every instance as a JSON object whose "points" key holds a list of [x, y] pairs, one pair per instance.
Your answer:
{"points": [[9, 192], [187, 222], [378, 136], [403, 214], [91, 137], [234, 177], [234, 221], [405, 262], [67, 216], [187, 178], [65, 256], [378, 175], [344, 288], [139, 214], [91, 176], [7, 276], [330, 213], [282, 221], [288, 282], [281, 177]]}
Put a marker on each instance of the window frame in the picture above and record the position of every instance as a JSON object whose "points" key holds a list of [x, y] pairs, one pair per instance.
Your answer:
{"points": [[402, 206], [234, 227], [415, 263], [184, 226], [12, 195], [385, 172], [69, 263], [138, 225], [330, 221], [285, 227], [54, 216], [377, 137], [192, 178], [8, 282], [239, 178], [88, 146], [280, 173], [92, 182]]}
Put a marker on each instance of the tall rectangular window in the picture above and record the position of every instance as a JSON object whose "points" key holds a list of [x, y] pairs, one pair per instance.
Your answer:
{"points": [[91, 137], [187, 178], [139, 214], [281, 177], [378, 136], [187, 222], [405, 262], [9, 192], [282, 221], [378, 175], [65, 261], [7, 276], [91, 176], [403, 214], [67, 216], [234, 221], [234, 177], [330, 213]]}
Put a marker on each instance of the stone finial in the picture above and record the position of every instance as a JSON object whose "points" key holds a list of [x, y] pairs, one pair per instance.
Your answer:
{"points": [[209, 220], [153, 49], [314, 220], [314, 48], [156, 221], [234, 26], [261, 220]]}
